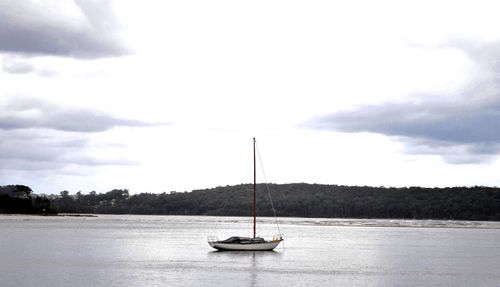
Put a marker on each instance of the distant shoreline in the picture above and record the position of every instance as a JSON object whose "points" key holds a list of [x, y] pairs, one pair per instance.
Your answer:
{"points": [[318, 222], [77, 215], [478, 203], [55, 215]]}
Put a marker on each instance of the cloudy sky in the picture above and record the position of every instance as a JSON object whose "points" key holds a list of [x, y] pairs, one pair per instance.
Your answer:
{"points": [[156, 96]]}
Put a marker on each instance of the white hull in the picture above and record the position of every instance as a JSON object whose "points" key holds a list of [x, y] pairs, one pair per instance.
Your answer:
{"points": [[264, 246]]}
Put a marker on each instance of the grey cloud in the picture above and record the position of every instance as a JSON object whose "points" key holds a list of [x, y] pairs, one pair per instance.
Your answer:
{"points": [[453, 153], [19, 64], [28, 150], [41, 137], [80, 29], [461, 128], [26, 113], [432, 121], [33, 146]]}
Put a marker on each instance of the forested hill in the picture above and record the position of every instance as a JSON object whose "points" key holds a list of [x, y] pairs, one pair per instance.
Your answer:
{"points": [[299, 200]]}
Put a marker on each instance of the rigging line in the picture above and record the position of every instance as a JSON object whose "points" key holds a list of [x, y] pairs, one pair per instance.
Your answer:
{"points": [[268, 191]]}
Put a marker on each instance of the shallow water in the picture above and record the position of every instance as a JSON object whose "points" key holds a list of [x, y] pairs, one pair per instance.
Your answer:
{"points": [[129, 250]]}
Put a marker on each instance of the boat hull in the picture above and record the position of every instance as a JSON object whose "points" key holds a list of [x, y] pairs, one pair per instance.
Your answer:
{"points": [[262, 246]]}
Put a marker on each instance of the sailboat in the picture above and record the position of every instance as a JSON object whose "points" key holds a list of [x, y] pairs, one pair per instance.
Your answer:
{"points": [[238, 243]]}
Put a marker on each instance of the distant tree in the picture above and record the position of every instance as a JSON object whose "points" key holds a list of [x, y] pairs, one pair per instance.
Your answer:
{"points": [[24, 190], [18, 199]]}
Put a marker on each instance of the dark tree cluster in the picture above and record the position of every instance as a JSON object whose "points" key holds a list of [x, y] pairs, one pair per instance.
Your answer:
{"points": [[116, 201], [19, 199], [298, 200]]}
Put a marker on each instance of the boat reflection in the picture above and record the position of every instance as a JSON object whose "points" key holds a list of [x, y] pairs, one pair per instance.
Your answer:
{"points": [[247, 261]]}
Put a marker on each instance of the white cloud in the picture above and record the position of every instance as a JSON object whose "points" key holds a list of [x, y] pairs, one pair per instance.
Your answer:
{"points": [[226, 71], [17, 65], [460, 125]]}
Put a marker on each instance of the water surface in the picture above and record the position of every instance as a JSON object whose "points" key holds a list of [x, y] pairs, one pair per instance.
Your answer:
{"points": [[129, 250]]}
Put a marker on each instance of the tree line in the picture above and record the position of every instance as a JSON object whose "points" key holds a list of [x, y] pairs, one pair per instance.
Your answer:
{"points": [[297, 200], [20, 199]]}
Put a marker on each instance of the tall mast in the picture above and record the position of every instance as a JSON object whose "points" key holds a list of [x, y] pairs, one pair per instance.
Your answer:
{"points": [[254, 189]]}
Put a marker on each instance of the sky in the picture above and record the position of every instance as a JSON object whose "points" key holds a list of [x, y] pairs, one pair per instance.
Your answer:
{"points": [[160, 96]]}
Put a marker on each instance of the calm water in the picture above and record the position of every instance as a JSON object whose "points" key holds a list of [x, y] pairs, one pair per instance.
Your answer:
{"points": [[172, 251]]}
